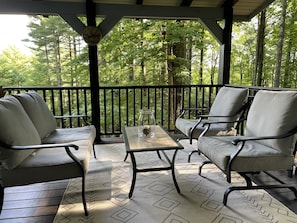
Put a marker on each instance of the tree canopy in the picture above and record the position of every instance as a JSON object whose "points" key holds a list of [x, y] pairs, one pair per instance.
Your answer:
{"points": [[158, 52]]}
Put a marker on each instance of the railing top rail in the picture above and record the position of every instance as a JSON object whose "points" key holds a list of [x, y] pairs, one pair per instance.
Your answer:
{"points": [[160, 86], [44, 88]]}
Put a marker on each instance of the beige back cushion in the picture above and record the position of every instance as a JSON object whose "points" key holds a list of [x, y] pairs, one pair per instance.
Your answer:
{"points": [[228, 102], [16, 129], [38, 112], [273, 113]]}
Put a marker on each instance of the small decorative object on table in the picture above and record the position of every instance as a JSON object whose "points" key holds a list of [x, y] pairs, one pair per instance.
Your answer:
{"points": [[146, 123]]}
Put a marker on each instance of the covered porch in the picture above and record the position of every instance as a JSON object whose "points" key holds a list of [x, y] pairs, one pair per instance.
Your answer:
{"points": [[216, 16], [109, 107]]}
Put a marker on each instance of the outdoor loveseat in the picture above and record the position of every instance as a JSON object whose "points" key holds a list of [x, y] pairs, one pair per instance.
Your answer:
{"points": [[33, 150]]}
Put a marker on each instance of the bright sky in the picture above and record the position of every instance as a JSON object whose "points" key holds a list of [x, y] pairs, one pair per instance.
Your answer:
{"points": [[13, 30]]}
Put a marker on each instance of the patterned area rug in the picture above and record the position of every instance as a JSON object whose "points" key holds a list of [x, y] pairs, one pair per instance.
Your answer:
{"points": [[155, 199]]}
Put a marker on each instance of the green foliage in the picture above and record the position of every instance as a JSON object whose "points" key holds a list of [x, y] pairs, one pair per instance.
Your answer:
{"points": [[136, 53]]}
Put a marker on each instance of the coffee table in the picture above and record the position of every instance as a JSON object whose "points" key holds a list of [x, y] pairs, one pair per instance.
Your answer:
{"points": [[161, 142]]}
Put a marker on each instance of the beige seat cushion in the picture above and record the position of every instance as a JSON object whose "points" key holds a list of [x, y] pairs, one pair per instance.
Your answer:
{"points": [[71, 134], [16, 129], [48, 165], [253, 158], [273, 113], [38, 112], [186, 125]]}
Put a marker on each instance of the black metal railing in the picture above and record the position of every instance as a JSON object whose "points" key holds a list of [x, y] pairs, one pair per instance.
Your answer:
{"points": [[120, 105]]}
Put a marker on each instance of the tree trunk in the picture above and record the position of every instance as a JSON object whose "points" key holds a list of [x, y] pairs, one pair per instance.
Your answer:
{"points": [[201, 58], [258, 69], [280, 45]]}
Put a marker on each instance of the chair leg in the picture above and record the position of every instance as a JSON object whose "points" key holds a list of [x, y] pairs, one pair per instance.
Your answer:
{"points": [[202, 164], [251, 187], [190, 154], [126, 157], [83, 194], [230, 189], [94, 152], [83, 173], [191, 140], [1, 198]]}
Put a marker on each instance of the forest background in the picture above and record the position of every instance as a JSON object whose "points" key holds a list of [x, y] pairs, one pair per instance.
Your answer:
{"points": [[158, 52]]}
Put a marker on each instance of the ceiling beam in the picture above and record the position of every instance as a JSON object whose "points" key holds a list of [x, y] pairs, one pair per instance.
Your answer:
{"points": [[160, 12], [133, 11], [108, 23], [214, 28], [139, 2], [186, 3], [74, 22]]}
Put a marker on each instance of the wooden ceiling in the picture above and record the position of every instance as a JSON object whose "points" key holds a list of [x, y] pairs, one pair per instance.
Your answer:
{"points": [[243, 10]]}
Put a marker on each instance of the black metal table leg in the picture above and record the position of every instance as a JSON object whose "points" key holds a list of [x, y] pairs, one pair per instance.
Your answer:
{"points": [[171, 162], [173, 171], [134, 174]]}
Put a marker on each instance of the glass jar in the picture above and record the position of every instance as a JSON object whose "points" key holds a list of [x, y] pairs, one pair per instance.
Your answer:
{"points": [[146, 123]]}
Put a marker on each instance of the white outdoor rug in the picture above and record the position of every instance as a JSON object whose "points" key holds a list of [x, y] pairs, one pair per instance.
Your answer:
{"points": [[155, 199]]}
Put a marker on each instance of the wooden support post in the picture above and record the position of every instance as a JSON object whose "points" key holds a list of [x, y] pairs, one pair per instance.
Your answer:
{"points": [[93, 67], [225, 51]]}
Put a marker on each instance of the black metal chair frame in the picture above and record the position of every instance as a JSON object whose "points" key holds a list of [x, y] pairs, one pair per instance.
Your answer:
{"points": [[249, 186], [242, 112], [46, 146]]}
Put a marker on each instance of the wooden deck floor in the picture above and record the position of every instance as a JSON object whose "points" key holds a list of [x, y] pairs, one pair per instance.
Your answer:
{"points": [[40, 202]]}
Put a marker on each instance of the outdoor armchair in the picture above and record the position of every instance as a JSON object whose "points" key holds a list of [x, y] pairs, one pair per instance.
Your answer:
{"points": [[266, 145], [229, 105]]}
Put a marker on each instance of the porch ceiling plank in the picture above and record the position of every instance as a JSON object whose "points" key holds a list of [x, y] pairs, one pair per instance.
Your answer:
{"points": [[243, 10], [162, 12], [138, 11], [29, 7], [248, 8]]}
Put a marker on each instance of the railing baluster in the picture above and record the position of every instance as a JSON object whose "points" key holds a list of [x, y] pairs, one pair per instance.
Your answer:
{"points": [[77, 106], [120, 110], [127, 107], [69, 106], [134, 107]]}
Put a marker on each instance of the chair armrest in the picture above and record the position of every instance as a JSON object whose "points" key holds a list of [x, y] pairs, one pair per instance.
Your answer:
{"points": [[208, 124], [42, 146], [66, 146], [222, 122], [184, 110], [244, 139]]}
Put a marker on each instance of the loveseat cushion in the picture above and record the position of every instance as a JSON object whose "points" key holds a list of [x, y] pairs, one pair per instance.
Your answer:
{"points": [[65, 135], [49, 165], [16, 129], [38, 111]]}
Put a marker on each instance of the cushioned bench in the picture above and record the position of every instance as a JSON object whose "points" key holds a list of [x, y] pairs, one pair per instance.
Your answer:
{"points": [[33, 150]]}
